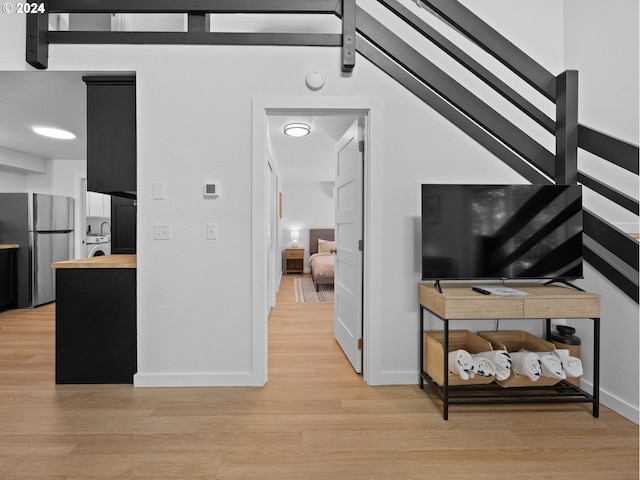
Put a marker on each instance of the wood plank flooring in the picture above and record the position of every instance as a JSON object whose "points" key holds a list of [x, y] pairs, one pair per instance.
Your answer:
{"points": [[315, 419]]}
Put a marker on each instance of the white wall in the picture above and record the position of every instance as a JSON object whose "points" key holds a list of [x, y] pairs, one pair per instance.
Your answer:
{"points": [[619, 334], [13, 161], [306, 205], [606, 63], [194, 314], [12, 182], [601, 42], [58, 177], [534, 27], [61, 178]]}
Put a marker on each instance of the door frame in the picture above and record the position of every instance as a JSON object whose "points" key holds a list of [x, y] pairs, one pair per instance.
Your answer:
{"points": [[372, 109], [272, 234]]}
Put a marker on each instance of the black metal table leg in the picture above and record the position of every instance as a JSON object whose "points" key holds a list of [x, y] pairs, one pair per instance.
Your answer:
{"points": [[547, 333], [421, 347], [596, 367], [445, 386]]}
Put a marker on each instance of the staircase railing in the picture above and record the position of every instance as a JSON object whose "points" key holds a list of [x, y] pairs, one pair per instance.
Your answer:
{"points": [[611, 251], [607, 248], [618, 152]]}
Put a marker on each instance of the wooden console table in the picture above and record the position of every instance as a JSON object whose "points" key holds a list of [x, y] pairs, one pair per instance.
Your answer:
{"points": [[458, 302]]}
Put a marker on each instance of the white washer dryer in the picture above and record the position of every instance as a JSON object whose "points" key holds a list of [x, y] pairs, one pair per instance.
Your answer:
{"points": [[98, 246]]}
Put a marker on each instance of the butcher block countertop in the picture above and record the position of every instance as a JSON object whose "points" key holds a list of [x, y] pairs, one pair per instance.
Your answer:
{"points": [[104, 261], [5, 246]]}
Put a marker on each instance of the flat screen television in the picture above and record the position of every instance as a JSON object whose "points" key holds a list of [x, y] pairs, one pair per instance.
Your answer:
{"points": [[501, 232]]}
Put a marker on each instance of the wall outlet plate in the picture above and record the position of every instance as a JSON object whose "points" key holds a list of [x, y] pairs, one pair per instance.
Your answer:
{"points": [[162, 231]]}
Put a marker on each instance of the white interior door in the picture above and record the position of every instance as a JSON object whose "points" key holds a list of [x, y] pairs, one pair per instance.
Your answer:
{"points": [[348, 237]]}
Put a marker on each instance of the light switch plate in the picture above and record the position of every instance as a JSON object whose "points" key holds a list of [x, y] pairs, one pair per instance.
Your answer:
{"points": [[212, 231], [158, 190], [162, 231]]}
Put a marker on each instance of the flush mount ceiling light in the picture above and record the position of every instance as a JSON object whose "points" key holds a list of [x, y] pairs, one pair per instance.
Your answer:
{"points": [[297, 129], [54, 133]]}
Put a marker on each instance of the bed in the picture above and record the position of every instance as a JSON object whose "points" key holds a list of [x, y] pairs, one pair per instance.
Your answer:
{"points": [[322, 256]]}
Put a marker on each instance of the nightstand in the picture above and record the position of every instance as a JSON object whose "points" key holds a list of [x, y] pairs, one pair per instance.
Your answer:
{"points": [[294, 260]]}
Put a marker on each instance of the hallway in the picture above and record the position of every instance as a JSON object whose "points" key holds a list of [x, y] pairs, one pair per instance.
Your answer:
{"points": [[302, 348]]}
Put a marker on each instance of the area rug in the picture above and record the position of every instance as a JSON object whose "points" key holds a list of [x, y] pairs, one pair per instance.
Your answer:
{"points": [[306, 292]]}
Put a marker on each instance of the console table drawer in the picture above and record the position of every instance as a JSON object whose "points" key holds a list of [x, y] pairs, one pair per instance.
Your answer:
{"points": [[459, 302], [462, 303], [482, 308], [562, 307]]}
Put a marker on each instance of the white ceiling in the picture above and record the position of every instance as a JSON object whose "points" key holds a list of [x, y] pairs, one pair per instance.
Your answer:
{"points": [[310, 158], [58, 99], [52, 99]]}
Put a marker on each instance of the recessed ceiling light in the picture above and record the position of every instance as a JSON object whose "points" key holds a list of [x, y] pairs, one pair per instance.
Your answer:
{"points": [[297, 129], [54, 133]]}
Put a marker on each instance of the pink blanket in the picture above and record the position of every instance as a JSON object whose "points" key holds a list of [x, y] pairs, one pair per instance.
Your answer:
{"points": [[323, 264]]}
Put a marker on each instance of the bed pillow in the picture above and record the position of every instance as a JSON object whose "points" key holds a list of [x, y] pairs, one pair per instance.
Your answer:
{"points": [[326, 246]]}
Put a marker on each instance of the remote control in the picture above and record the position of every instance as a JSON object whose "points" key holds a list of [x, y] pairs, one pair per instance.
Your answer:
{"points": [[481, 290]]}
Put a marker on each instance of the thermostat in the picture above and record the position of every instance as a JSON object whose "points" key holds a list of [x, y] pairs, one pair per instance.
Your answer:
{"points": [[212, 189]]}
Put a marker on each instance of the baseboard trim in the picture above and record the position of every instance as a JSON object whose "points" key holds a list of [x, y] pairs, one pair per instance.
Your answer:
{"points": [[195, 380], [399, 378], [614, 403]]}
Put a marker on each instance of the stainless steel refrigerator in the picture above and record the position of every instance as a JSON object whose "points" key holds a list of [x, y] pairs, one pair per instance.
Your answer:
{"points": [[43, 227]]}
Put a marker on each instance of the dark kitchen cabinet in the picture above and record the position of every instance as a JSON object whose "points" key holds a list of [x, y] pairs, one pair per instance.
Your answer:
{"points": [[111, 134], [8, 279], [96, 325], [123, 225]]}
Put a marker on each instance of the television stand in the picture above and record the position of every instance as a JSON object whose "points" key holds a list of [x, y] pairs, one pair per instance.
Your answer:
{"points": [[564, 282], [459, 302], [437, 286]]}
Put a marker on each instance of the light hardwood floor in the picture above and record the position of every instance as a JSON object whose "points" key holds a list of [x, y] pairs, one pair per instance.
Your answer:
{"points": [[315, 419]]}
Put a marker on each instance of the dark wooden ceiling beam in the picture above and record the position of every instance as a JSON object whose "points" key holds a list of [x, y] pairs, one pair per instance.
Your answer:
{"points": [[202, 6], [348, 35], [198, 12], [198, 22], [196, 38]]}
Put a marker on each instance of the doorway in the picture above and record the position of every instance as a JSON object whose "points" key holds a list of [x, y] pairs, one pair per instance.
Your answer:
{"points": [[322, 183], [263, 109]]}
